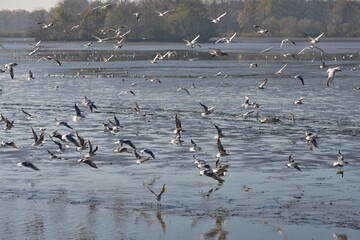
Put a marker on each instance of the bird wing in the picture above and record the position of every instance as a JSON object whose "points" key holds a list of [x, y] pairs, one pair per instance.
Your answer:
{"points": [[195, 39], [162, 190], [34, 135], [232, 37], [152, 191], [318, 37], [219, 131], [205, 107], [77, 110], [177, 122], [219, 17]]}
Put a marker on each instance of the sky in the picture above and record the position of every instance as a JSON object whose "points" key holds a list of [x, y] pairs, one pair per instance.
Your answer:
{"points": [[28, 5]]}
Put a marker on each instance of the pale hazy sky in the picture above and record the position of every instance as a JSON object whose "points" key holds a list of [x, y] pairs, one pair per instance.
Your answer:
{"points": [[28, 5]]}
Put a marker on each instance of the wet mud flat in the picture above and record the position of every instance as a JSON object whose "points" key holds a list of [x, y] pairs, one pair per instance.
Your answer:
{"points": [[260, 198]]}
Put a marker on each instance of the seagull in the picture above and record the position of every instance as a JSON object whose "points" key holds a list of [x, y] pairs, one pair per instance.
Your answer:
{"points": [[36, 45], [9, 144], [300, 78], [154, 80], [262, 84], [81, 144], [138, 16], [37, 140], [178, 128], [286, 40], [177, 140], [125, 141], [183, 89], [34, 51], [118, 44], [45, 25], [61, 147], [201, 163], [72, 29], [149, 152], [10, 68], [8, 124], [30, 77], [261, 30], [28, 115], [310, 48], [53, 155], [63, 123], [11, 71], [352, 54], [123, 149], [246, 114], [266, 50], [281, 69], [215, 52], [207, 111], [88, 161], [78, 115], [126, 93], [311, 139], [101, 7], [88, 103], [316, 40], [28, 164], [218, 19], [87, 44], [58, 62], [296, 102], [102, 40], [331, 74], [340, 161], [219, 169], [139, 159], [226, 40], [158, 196], [247, 103], [162, 14], [109, 58], [292, 163], [194, 148], [252, 65], [193, 42], [92, 151], [210, 173], [157, 56], [221, 150], [115, 124], [322, 63]]}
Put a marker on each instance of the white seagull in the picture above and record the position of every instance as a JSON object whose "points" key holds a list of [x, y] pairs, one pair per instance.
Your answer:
{"points": [[281, 69], [292, 163], [226, 40], [286, 40], [218, 19], [340, 161], [207, 111], [331, 74], [162, 14], [316, 40], [193, 42]]}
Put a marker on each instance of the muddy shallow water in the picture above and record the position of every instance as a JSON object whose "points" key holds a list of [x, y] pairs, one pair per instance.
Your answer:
{"points": [[260, 199]]}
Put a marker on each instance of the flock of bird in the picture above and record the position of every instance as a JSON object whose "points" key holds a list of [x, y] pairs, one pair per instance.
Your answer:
{"points": [[216, 170]]}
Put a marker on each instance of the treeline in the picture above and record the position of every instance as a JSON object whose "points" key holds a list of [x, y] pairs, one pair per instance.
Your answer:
{"points": [[283, 18]]}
